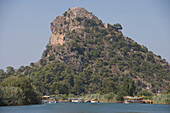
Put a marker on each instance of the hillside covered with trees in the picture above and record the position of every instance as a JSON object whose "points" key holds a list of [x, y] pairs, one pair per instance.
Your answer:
{"points": [[86, 56]]}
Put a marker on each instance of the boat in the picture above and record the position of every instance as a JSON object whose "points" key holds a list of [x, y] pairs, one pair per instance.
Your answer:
{"points": [[48, 100], [76, 101], [95, 100], [79, 100], [87, 101], [44, 102], [129, 99]]}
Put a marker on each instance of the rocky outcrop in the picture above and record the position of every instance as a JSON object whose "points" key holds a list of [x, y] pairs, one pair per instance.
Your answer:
{"points": [[72, 19]]}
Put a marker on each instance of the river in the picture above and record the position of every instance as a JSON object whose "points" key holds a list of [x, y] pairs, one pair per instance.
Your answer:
{"points": [[87, 108]]}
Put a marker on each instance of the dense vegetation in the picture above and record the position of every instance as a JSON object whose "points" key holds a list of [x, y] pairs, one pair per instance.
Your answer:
{"points": [[98, 57], [95, 60], [161, 99], [18, 91]]}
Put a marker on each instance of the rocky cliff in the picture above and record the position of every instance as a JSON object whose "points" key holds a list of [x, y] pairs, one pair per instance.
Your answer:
{"points": [[69, 21]]}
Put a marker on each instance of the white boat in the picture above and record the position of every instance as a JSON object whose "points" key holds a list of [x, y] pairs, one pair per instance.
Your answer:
{"points": [[94, 100], [50, 102], [76, 101], [79, 100], [129, 99]]}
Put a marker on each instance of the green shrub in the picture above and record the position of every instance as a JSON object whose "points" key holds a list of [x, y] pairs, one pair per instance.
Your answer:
{"points": [[51, 57], [43, 62], [12, 96], [79, 19]]}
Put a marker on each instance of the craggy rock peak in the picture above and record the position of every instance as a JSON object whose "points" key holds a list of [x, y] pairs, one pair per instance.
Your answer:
{"points": [[96, 52], [68, 22]]}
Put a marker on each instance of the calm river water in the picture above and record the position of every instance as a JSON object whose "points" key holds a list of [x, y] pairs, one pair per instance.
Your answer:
{"points": [[87, 108]]}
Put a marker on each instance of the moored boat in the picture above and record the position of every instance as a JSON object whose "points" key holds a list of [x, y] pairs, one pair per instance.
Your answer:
{"points": [[79, 100], [48, 100], [87, 101], [129, 99], [95, 100]]}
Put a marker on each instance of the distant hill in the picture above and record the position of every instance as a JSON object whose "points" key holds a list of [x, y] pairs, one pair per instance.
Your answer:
{"points": [[86, 56]]}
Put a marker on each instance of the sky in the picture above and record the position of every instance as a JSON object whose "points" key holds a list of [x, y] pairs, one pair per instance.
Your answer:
{"points": [[25, 25]]}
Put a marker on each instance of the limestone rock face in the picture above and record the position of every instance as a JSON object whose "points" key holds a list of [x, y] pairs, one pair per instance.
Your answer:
{"points": [[68, 22]]}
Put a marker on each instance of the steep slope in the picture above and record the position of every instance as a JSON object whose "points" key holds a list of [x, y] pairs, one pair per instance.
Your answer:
{"points": [[85, 55], [80, 40]]}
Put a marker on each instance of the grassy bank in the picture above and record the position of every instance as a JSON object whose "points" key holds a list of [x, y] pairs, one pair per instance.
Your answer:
{"points": [[161, 99], [112, 98]]}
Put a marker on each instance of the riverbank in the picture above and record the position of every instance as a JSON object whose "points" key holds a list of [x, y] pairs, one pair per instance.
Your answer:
{"points": [[112, 98], [105, 98]]}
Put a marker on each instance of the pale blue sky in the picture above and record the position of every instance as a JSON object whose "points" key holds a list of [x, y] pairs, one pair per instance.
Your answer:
{"points": [[25, 25]]}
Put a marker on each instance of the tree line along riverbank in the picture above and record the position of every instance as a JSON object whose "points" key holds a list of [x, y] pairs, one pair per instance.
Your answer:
{"points": [[20, 91]]}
